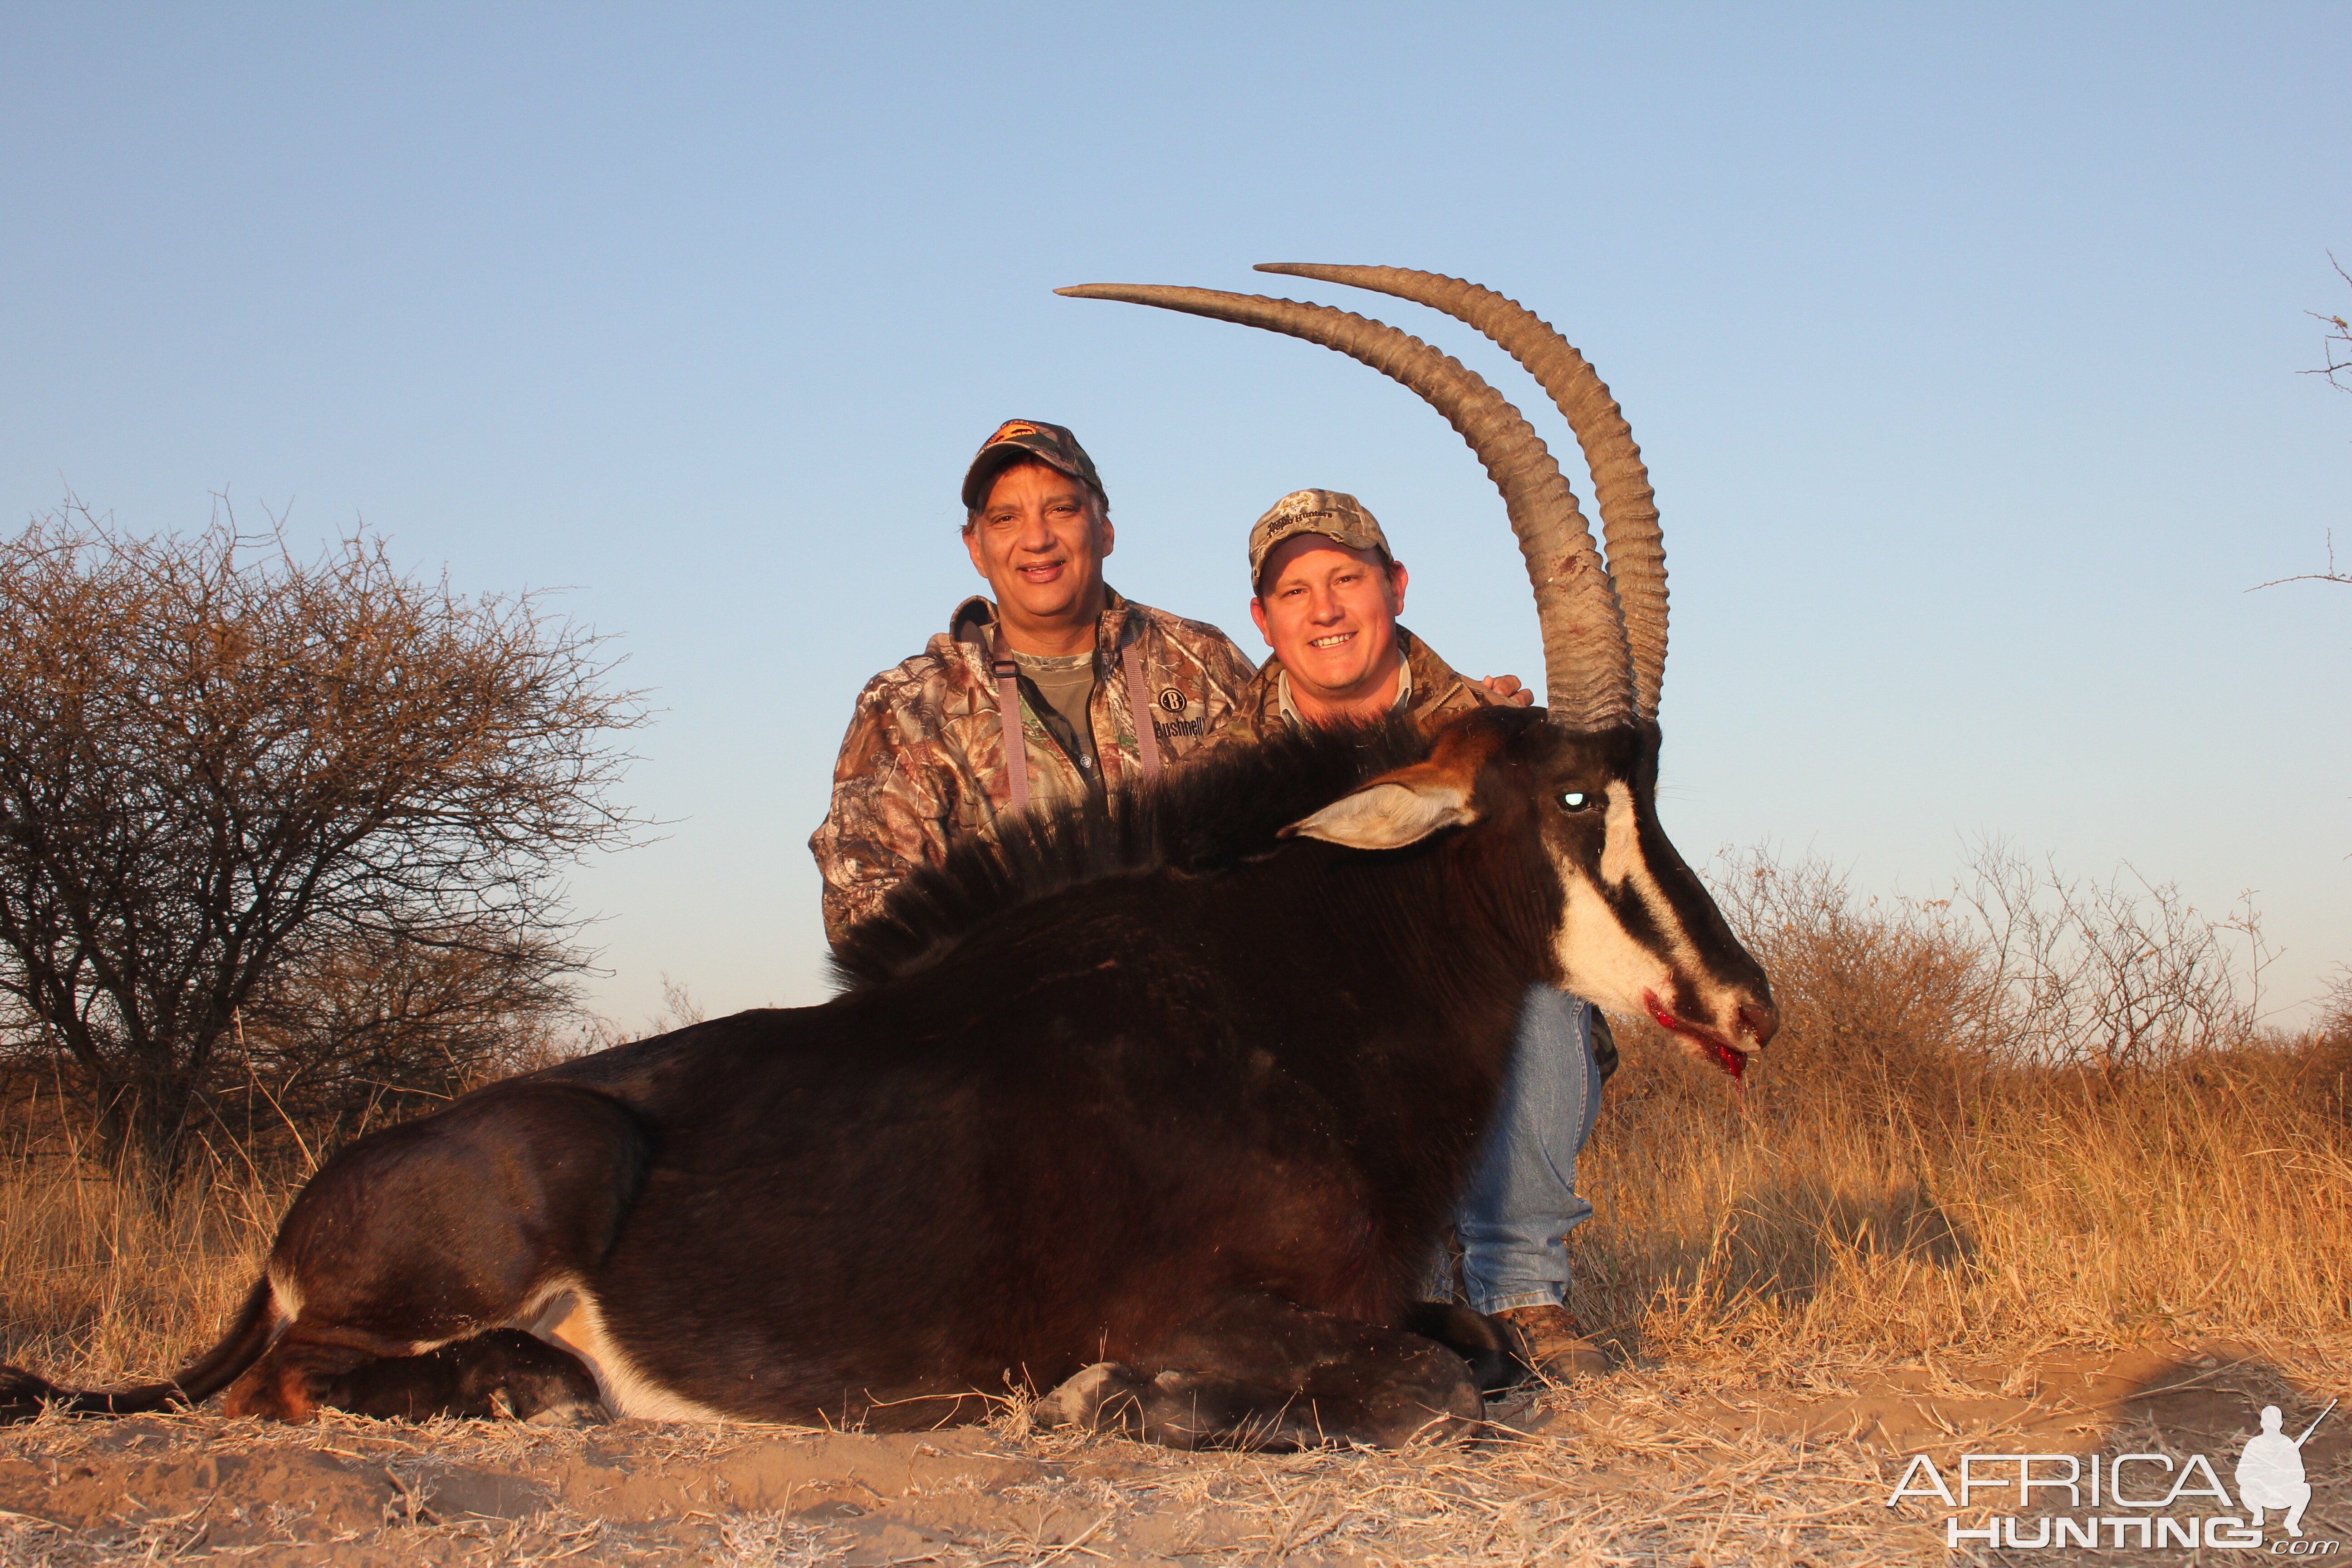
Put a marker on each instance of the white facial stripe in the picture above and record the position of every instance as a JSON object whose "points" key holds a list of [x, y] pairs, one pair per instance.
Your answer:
{"points": [[1601, 960], [1621, 844]]}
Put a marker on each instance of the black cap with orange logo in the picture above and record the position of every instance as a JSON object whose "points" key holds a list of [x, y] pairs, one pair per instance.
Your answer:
{"points": [[1023, 440]]}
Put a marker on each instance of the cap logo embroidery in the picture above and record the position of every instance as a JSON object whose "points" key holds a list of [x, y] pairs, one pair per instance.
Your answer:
{"points": [[1008, 430]]}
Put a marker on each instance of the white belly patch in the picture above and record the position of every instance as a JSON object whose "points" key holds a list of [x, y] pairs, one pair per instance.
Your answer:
{"points": [[568, 1318]]}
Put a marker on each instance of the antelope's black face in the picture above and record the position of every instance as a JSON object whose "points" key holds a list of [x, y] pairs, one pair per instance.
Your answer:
{"points": [[1631, 928], [1638, 933]]}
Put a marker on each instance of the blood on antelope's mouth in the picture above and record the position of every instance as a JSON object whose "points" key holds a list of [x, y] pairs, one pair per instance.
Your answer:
{"points": [[1731, 1061]]}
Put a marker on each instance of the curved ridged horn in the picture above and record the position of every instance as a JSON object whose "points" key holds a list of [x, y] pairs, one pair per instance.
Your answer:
{"points": [[1620, 483], [1587, 669]]}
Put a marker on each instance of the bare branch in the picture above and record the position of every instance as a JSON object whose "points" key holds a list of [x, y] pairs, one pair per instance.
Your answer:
{"points": [[2336, 342], [2330, 576]]}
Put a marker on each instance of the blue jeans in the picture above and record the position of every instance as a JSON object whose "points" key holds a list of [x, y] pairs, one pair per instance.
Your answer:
{"points": [[1521, 1200]]}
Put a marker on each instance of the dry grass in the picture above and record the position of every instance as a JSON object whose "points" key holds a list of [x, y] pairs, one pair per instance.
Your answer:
{"points": [[1628, 1477], [94, 1281], [1908, 1184], [2206, 1197]]}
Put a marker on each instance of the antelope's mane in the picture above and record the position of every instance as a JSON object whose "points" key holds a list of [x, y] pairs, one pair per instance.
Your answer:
{"points": [[1197, 820]]}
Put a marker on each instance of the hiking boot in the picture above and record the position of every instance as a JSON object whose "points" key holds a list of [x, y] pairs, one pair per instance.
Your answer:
{"points": [[1548, 1340]]}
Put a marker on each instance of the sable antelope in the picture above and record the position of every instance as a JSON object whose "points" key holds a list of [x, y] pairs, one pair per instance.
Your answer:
{"points": [[1111, 1104]]}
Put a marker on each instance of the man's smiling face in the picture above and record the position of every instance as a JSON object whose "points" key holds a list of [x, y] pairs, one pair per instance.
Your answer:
{"points": [[1329, 614], [1040, 539]]}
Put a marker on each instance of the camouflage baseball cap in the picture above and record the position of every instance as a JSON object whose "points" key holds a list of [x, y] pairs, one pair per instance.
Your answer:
{"points": [[1335, 516], [1019, 441]]}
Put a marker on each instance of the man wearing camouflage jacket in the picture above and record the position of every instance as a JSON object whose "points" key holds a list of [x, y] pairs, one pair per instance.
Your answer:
{"points": [[1328, 591], [1101, 690]]}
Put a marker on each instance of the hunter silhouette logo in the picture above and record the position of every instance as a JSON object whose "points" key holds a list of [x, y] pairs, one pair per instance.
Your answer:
{"points": [[2270, 1472], [2158, 1501]]}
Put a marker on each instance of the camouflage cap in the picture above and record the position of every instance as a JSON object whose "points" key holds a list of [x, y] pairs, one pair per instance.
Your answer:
{"points": [[1020, 440], [1334, 515]]}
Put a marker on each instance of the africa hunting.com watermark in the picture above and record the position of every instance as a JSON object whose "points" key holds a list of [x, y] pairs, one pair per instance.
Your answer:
{"points": [[2163, 1497]]}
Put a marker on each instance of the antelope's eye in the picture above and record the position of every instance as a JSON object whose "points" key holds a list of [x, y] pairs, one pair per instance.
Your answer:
{"points": [[1575, 800]]}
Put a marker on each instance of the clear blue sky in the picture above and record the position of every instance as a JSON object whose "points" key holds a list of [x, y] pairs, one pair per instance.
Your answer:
{"points": [[1963, 344]]}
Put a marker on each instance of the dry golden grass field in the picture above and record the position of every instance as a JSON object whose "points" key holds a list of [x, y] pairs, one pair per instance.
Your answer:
{"points": [[1933, 1222]]}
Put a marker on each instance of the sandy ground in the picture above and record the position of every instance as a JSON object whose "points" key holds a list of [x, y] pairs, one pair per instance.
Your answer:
{"points": [[1724, 1464]]}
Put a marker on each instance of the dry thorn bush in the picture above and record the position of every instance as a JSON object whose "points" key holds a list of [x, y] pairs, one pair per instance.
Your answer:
{"points": [[281, 827]]}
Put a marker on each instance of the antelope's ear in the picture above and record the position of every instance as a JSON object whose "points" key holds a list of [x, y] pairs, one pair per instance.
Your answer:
{"points": [[1391, 813]]}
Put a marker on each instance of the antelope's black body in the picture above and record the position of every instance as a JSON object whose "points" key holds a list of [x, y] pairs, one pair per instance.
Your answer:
{"points": [[1077, 1107]]}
